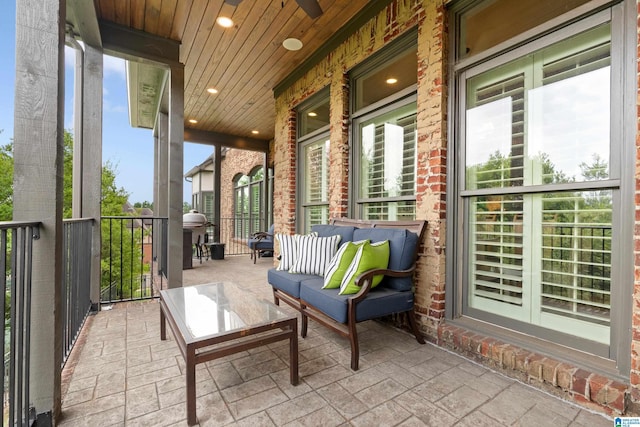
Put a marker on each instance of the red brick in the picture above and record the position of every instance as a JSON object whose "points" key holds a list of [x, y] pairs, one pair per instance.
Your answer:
{"points": [[534, 366], [580, 382], [549, 371], [564, 376], [598, 388]]}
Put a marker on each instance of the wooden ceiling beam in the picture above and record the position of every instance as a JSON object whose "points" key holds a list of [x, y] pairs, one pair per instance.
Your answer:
{"points": [[82, 16], [135, 45], [225, 140]]}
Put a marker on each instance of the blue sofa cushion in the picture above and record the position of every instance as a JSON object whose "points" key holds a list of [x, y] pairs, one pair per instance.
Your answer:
{"points": [[266, 243], [289, 283], [379, 302], [260, 244], [402, 245], [324, 230]]}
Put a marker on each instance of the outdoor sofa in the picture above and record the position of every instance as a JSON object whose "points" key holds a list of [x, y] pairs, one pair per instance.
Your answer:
{"points": [[393, 294]]}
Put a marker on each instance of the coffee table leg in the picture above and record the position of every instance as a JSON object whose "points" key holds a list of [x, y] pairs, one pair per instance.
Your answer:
{"points": [[191, 388], [163, 325], [293, 353]]}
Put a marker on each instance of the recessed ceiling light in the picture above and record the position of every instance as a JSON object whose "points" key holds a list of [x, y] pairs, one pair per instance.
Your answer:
{"points": [[392, 81], [194, 121], [312, 114], [212, 90], [292, 44], [255, 132], [225, 22]]}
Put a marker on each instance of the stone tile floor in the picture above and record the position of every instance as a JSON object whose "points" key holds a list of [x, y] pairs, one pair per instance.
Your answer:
{"points": [[122, 374]]}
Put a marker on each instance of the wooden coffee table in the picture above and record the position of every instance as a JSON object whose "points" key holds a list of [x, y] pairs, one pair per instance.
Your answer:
{"points": [[216, 320]]}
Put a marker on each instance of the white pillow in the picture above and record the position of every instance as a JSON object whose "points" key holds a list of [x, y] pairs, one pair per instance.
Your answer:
{"points": [[288, 249], [314, 253]]}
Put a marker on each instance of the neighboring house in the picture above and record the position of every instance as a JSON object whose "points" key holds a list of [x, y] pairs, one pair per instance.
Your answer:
{"points": [[242, 193]]}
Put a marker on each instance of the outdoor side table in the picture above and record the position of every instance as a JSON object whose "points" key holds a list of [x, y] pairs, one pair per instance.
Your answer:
{"points": [[215, 320]]}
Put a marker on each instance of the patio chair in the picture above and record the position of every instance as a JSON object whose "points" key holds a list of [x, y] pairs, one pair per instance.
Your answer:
{"points": [[261, 243]]}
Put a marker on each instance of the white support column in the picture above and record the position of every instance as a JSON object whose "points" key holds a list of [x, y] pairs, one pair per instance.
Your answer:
{"points": [[38, 172], [160, 203], [76, 199], [92, 158], [176, 166], [217, 192], [163, 165], [156, 169]]}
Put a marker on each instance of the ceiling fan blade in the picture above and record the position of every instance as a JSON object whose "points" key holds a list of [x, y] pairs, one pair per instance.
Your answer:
{"points": [[311, 7], [233, 2]]}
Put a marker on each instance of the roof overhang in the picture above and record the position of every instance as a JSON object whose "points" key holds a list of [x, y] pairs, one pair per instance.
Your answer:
{"points": [[145, 86]]}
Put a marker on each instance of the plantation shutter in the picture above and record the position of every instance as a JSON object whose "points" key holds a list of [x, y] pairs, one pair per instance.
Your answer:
{"points": [[316, 182], [542, 257], [496, 221]]}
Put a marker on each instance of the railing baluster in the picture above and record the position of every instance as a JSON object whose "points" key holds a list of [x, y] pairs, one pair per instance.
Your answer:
{"points": [[141, 244], [16, 247]]}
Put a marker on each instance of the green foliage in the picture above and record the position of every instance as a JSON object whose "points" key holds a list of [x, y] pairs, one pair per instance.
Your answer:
{"points": [[121, 262], [144, 204], [6, 182], [186, 207], [68, 175]]}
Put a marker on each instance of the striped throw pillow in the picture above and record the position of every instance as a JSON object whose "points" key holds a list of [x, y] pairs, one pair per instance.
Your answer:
{"points": [[314, 253], [288, 249]]}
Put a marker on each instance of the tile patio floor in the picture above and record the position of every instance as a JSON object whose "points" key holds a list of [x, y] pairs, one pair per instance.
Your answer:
{"points": [[122, 374]]}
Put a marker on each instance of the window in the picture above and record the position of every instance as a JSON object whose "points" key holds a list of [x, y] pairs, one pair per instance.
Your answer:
{"points": [[249, 203], [313, 143], [315, 183], [384, 133], [539, 187]]}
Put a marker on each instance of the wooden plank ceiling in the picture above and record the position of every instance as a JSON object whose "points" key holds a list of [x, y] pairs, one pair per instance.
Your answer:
{"points": [[243, 63]]}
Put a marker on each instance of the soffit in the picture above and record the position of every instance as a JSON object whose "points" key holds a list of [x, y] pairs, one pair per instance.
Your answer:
{"points": [[244, 62]]}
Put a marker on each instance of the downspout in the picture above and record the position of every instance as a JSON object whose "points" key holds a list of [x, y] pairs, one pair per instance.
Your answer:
{"points": [[77, 124]]}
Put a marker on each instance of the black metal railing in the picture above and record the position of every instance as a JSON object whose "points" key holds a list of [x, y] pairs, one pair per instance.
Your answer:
{"points": [[133, 256], [235, 231], [16, 244], [76, 280]]}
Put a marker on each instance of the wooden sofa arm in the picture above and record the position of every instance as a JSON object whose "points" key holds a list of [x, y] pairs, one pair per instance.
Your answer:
{"points": [[364, 280], [261, 235]]}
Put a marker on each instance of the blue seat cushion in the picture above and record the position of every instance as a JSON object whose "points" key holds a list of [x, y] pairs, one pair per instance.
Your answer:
{"points": [[324, 230], [379, 302], [288, 282], [402, 248], [266, 243]]}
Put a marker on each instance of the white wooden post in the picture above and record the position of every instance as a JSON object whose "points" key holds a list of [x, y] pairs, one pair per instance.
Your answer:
{"points": [[38, 171], [176, 165]]}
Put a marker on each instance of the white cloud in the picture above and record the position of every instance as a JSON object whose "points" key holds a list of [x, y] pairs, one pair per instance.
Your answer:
{"points": [[111, 108], [112, 66]]}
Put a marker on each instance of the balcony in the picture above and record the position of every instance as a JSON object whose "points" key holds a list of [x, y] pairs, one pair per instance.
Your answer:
{"points": [[121, 373]]}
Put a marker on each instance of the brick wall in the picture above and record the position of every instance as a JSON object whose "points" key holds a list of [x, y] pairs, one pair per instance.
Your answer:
{"points": [[564, 379], [635, 344], [235, 162], [393, 21]]}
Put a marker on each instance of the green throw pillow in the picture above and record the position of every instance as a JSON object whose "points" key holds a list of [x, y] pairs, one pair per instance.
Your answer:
{"points": [[368, 257], [340, 263]]}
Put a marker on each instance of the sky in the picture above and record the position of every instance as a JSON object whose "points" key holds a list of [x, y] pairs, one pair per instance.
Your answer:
{"points": [[129, 149]]}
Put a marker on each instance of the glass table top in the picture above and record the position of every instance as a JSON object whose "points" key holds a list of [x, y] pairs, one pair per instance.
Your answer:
{"points": [[217, 309]]}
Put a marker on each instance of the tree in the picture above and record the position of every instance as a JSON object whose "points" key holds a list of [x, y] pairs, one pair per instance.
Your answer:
{"points": [[6, 182], [144, 204], [121, 261], [186, 207], [67, 189]]}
